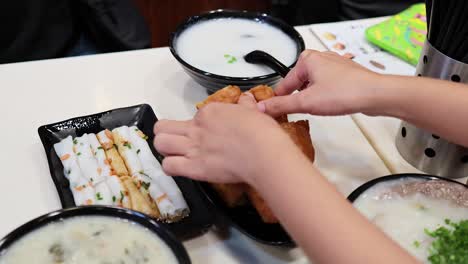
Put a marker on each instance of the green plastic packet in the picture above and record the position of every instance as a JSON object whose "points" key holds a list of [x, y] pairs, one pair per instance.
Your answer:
{"points": [[403, 34]]}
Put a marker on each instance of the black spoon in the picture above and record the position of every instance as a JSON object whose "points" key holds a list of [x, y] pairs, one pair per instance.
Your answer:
{"points": [[261, 57]]}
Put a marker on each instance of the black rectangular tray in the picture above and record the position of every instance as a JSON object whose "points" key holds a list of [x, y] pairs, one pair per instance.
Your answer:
{"points": [[201, 216]]}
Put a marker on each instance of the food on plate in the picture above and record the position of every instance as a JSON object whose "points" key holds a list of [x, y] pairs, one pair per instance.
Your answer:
{"points": [[138, 200], [81, 188], [89, 239], [299, 133], [119, 192], [126, 150], [235, 37], [118, 168], [264, 92], [229, 95], [234, 194], [113, 158], [404, 209], [231, 193], [86, 160], [165, 191], [261, 206], [91, 170], [129, 154]]}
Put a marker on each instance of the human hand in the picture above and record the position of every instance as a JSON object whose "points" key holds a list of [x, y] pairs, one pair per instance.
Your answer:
{"points": [[329, 84], [223, 143]]}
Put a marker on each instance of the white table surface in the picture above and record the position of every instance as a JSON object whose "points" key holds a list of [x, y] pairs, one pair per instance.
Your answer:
{"points": [[42, 92], [380, 131]]}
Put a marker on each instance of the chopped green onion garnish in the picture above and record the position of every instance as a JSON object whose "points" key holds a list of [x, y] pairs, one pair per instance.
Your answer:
{"points": [[145, 185]]}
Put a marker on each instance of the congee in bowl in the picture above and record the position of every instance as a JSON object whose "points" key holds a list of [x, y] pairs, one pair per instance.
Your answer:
{"points": [[211, 47], [93, 234], [218, 46], [410, 208]]}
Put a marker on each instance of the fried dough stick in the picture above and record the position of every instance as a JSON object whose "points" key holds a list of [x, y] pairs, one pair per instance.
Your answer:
{"points": [[138, 201], [299, 133], [264, 92], [106, 139], [229, 95], [233, 194]]}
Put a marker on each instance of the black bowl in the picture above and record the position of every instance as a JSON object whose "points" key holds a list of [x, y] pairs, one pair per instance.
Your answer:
{"points": [[361, 189], [176, 247], [215, 82]]}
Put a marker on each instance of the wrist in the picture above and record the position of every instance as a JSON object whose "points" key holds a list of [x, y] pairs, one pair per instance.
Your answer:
{"points": [[273, 159], [385, 96]]}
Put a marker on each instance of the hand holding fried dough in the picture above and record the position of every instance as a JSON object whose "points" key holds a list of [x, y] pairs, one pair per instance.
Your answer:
{"points": [[227, 148], [329, 84], [228, 143]]}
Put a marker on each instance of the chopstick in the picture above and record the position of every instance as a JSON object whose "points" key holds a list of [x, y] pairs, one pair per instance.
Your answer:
{"points": [[428, 14], [459, 31], [446, 38], [434, 24]]}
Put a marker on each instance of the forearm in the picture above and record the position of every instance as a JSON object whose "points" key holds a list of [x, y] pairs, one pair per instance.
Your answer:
{"points": [[319, 218], [437, 106]]}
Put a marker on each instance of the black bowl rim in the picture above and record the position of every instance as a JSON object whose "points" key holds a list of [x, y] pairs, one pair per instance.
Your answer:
{"points": [[284, 244], [366, 186], [220, 13], [141, 219]]}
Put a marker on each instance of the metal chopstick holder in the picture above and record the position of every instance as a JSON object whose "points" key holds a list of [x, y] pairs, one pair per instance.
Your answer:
{"points": [[422, 149]]}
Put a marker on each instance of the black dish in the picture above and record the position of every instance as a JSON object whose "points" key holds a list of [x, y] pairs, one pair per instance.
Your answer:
{"points": [[246, 219], [215, 82], [142, 116], [361, 189], [176, 247]]}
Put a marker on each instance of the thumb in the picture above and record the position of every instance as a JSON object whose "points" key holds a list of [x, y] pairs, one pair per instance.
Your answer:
{"points": [[279, 105]]}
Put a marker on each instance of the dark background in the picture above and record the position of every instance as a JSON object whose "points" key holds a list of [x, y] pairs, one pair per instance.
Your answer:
{"points": [[163, 16]]}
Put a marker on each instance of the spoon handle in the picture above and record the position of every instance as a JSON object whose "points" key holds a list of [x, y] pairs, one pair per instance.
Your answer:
{"points": [[260, 57]]}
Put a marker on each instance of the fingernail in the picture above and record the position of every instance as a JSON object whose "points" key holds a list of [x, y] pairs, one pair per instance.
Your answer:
{"points": [[261, 107], [249, 94]]}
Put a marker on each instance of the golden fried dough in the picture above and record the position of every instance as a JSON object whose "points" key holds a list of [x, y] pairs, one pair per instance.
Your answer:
{"points": [[299, 132], [264, 92], [261, 206], [138, 201], [232, 194], [113, 158], [229, 94]]}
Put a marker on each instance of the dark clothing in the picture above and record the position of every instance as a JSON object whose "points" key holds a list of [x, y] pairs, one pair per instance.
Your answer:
{"points": [[356, 9], [36, 29]]}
